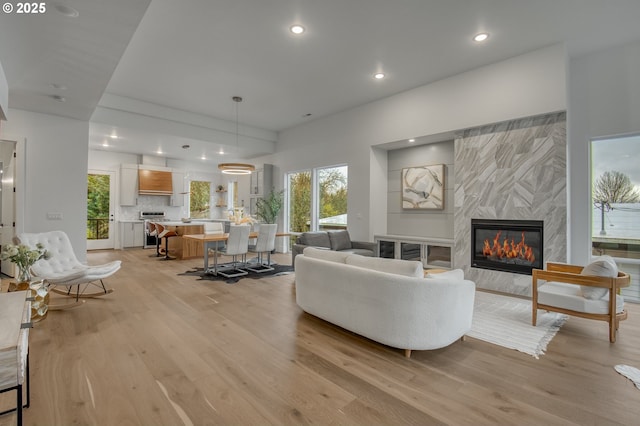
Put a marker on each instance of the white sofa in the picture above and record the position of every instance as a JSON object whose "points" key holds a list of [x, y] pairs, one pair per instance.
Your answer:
{"points": [[385, 300]]}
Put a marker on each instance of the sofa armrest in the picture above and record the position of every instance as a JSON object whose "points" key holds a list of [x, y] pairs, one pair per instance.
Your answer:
{"points": [[297, 249], [366, 245]]}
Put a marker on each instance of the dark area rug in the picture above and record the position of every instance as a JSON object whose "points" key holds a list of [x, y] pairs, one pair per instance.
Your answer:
{"points": [[199, 272]]}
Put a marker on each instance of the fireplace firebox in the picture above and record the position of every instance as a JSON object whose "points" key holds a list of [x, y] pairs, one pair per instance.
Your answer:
{"points": [[507, 245]]}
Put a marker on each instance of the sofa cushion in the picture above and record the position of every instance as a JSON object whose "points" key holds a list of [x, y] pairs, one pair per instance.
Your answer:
{"points": [[317, 239], [569, 296], [454, 274], [325, 254], [340, 240], [408, 268], [603, 266]]}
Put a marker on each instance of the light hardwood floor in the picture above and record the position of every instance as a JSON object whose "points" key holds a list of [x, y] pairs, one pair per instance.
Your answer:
{"points": [[165, 349]]}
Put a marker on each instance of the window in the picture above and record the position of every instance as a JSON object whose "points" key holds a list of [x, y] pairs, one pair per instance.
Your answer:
{"points": [[322, 191], [331, 190], [299, 205], [199, 199], [615, 196]]}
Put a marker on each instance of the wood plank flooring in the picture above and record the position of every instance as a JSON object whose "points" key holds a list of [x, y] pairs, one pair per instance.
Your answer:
{"points": [[166, 349]]}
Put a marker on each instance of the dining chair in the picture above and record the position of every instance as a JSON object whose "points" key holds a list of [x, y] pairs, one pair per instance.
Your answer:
{"points": [[265, 243], [237, 247]]}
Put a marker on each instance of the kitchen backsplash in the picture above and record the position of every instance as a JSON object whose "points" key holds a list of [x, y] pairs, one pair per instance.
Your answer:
{"points": [[148, 203]]}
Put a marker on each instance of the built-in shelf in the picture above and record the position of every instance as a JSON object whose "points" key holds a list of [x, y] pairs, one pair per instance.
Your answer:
{"points": [[432, 252]]}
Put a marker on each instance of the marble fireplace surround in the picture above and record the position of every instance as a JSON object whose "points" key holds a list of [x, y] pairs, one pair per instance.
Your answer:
{"points": [[512, 170]]}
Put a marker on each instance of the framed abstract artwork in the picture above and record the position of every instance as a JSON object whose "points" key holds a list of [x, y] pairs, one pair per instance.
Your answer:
{"points": [[423, 187]]}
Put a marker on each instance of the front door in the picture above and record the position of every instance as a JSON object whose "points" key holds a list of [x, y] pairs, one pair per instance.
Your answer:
{"points": [[100, 210]]}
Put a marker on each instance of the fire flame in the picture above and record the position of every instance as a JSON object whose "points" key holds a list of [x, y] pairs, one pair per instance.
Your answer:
{"points": [[508, 250]]}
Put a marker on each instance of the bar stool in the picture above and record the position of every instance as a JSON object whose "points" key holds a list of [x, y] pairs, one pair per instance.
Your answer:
{"points": [[165, 233], [153, 232]]}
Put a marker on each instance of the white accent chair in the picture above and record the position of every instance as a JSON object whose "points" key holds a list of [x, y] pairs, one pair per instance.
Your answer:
{"points": [[64, 269], [237, 246], [266, 243], [582, 292]]}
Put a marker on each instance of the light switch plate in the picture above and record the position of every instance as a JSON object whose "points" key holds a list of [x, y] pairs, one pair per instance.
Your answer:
{"points": [[54, 216]]}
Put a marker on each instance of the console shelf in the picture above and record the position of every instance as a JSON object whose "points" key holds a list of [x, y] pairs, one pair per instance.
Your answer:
{"points": [[432, 252]]}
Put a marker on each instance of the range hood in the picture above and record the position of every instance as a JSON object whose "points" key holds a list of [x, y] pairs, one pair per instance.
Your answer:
{"points": [[154, 182]]}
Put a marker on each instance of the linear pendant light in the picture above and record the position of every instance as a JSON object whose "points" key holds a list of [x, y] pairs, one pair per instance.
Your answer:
{"points": [[236, 168]]}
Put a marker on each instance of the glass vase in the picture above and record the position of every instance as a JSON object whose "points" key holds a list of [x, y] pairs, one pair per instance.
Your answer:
{"points": [[24, 275]]}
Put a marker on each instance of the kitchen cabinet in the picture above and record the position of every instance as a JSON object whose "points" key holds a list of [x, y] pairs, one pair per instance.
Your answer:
{"points": [[132, 234], [261, 184], [128, 184], [177, 200]]}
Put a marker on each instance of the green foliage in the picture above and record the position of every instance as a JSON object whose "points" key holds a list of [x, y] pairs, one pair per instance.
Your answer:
{"points": [[199, 199], [300, 201], [98, 193], [267, 208], [613, 187], [333, 193]]}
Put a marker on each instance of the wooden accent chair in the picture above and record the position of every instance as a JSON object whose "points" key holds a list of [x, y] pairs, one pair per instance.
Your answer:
{"points": [[571, 291]]}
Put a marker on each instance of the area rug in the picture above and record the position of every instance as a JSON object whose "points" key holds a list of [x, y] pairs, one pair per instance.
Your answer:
{"points": [[506, 321], [630, 373], [199, 272]]}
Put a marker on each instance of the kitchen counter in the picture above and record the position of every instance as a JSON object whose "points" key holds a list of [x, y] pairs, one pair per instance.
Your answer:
{"points": [[179, 223]]}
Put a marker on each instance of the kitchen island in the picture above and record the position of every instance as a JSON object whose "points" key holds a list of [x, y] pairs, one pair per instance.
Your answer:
{"points": [[182, 248]]}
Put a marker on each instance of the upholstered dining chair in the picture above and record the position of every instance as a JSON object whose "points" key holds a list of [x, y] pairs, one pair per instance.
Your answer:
{"points": [[591, 292], [265, 243], [63, 269], [237, 247], [166, 233]]}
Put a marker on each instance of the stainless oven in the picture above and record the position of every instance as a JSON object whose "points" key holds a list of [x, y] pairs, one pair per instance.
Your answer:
{"points": [[150, 240]]}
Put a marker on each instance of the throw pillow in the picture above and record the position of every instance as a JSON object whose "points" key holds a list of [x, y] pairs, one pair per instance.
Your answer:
{"points": [[453, 275], [603, 266], [340, 240], [317, 239]]}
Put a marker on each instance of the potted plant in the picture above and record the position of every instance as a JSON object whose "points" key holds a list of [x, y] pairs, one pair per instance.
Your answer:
{"points": [[267, 208]]}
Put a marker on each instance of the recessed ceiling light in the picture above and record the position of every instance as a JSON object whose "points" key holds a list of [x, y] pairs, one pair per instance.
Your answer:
{"points": [[296, 29], [113, 136], [378, 75], [105, 143], [67, 10], [203, 157], [221, 152], [307, 114], [481, 37], [186, 146], [412, 140], [58, 98], [159, 151]]}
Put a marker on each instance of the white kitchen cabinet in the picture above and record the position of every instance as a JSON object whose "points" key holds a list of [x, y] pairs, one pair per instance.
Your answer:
{"points": [[132, 234], [261, 185], [128, 184], [177, 200]]}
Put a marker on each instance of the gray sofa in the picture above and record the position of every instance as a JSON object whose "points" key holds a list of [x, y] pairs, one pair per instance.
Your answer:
{"points": [[332, 240]]}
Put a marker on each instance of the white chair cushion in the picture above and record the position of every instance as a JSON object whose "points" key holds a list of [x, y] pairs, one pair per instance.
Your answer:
{"points": [[569, 296], [454, 274], [603, 266], [325, 254], [407, 268]]}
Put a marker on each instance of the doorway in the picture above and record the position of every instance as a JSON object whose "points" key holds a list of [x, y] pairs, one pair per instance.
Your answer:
{"points": [[100, 210], [7, 199]]}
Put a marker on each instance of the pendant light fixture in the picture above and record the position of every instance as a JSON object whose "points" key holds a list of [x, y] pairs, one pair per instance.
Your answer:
{"points": [[236, 168]]}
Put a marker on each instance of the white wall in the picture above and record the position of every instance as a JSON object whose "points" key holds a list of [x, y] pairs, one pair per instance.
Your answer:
{"points": [[604, 100], [4, 94], [527, 85], [56, 173]]}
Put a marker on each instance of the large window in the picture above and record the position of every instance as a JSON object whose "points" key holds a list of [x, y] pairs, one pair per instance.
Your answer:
{"points": [[199, 199], [317, 199], [615, 196]]}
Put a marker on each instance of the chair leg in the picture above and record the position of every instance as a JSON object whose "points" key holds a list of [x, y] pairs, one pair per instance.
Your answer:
{"points": [[612, 331], [158, 246]]}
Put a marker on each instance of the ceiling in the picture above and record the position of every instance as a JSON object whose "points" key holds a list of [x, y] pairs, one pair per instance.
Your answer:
{"points": [[193, 56]]}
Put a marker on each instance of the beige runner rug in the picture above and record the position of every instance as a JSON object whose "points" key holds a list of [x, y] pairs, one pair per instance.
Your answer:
{"points": [[506, 321]]}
